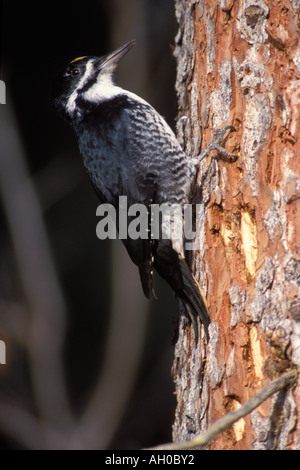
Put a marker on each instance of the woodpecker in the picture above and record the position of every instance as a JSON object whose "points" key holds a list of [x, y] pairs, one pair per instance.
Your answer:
{"points": [[129, 150]]}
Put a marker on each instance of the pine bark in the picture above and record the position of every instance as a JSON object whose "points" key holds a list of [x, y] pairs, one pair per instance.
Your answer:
{"points": [[238, 63]]}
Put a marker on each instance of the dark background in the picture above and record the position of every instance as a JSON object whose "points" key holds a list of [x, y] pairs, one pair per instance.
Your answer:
{"points": [[96, 277]]}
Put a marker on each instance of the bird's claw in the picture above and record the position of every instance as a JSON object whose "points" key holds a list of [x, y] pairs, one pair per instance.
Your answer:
{"points": [[219, 133], [215, 144]]}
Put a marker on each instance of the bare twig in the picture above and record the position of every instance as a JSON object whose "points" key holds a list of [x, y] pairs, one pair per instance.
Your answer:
{"points": [[219, 426], [22, 426], [46, 333], [126, 334]]}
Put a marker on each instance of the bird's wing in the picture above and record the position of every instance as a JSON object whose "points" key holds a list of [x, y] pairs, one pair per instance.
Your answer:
{"points": [[140, 249], [147, 176], [155, 172]]}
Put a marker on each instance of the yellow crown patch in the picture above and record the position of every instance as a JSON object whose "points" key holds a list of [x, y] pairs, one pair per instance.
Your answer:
{"points": [[78, 58]]}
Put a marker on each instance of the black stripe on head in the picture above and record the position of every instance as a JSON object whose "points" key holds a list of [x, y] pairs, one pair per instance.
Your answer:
{"points": [[107, 110], [89, 83]]}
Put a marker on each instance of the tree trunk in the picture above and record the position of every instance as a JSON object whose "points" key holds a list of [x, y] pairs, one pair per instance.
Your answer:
{"points": [[238, 63]]}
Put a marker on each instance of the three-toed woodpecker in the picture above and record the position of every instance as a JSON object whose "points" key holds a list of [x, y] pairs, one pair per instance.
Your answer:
{"points": [[129, 150]]}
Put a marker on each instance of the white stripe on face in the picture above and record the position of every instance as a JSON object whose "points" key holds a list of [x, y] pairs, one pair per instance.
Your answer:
{"points": [[103, 89]]}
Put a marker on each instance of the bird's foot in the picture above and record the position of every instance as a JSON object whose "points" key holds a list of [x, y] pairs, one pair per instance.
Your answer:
{"points": [[215, 144]]}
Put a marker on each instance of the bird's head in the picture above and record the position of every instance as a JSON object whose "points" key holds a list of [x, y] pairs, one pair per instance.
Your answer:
{"points": [[86, 80]]}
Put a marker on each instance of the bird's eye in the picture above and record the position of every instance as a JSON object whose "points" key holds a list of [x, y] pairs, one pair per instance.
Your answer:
{"points": [[75, 72]]}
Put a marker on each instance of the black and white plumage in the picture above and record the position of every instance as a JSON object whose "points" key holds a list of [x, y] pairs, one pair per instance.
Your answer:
{"points": [[128, 149]]}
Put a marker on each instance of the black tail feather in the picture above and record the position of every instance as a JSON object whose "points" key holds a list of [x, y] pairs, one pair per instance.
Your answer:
{"points": [[193, 299], [173, 267]]}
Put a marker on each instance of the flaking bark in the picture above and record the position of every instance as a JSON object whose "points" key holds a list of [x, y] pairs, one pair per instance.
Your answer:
{"points": [[238, 63]]}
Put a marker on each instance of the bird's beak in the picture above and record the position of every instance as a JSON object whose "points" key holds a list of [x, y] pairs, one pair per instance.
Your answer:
{"points": [[111, 60]]}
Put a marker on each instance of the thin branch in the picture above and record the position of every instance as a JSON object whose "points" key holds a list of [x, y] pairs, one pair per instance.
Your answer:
{"points": [[21, 426], [35, 264], [223, 423], [126, 338]]}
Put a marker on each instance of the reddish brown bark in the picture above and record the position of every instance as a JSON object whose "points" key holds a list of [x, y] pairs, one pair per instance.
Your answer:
{"points": [[239, 64]]}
